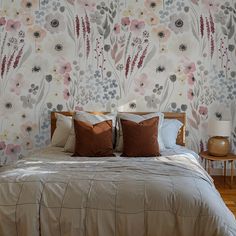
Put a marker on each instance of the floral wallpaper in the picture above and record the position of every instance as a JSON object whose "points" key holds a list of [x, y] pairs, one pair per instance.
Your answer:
{"points": [[145, 55]]}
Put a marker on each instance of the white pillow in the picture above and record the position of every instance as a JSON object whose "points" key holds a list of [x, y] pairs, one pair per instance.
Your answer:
{"points": [[88, 118], [169, 132], [62, 131], [137, 118]]}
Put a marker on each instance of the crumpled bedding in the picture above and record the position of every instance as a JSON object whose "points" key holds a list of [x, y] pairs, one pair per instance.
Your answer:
{"points": [[51, 193]]}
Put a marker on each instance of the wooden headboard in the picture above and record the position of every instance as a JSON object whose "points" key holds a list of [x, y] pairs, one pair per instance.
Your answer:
{"points": [[168, 115]]}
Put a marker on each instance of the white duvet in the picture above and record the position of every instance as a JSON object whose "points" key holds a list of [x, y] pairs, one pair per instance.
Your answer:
{"points": [[51, 193]]}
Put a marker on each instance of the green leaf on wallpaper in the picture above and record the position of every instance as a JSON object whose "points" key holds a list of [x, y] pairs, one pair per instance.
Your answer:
{"points": [[100, 31], [194, 33], [150, 56], [164, 97], [107, 32], [119, 56], [111, 6], [224, 30], [195, 116], [111, 19], [113, 14], [229, 24], [25, 56], [192, 123], [40, 96], [105, 24], [231, 32], [70, 33], [112, 39]]}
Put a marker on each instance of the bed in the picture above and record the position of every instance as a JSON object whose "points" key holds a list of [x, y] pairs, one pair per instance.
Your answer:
{"points": [[52, 193]]}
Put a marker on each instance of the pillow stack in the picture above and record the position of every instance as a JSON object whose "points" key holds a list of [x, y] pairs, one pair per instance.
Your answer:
{"points": [[86, 134]]}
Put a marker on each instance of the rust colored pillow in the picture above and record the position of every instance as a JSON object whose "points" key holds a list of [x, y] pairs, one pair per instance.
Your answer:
{"points": [[93, 140], [140, 139]]}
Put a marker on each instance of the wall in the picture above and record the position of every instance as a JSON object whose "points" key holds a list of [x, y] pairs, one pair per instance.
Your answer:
{"points": [[93, 55]]}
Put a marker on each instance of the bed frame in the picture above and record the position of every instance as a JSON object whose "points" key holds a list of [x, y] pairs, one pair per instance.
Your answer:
{"points": [[168, 115]]}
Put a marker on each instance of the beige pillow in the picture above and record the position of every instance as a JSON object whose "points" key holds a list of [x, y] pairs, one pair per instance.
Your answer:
{"points": [[88, 118], [62, 131]]}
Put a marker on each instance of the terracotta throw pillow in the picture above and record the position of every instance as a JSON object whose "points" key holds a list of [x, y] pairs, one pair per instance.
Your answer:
{"points": [[140, 139], [93, 140]]}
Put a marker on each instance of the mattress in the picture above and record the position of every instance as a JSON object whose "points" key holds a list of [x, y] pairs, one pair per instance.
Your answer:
{"points": [[52, 193]]}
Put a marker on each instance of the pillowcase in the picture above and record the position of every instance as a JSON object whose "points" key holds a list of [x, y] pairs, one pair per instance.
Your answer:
{"points": [[93, 140], [62, 131], [169, 132], [88, 118], [137, 118], [140, 139]]}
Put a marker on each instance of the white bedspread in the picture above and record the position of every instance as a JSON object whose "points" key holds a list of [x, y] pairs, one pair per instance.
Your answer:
{"points": [[51, 193]]}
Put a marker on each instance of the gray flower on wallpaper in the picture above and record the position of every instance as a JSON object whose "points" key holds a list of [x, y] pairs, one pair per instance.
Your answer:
{"points": [[158, 89], [180, 5], [59, 46], [28, 101], [179, 23], [220, 18], [152, 101], [163, 66], [54, 23], [183, 46], [175, 108], [96, 17], [33, 89]]}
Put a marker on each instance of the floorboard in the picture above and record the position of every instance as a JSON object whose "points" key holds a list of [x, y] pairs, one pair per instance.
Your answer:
{"points": [[227, 193]]}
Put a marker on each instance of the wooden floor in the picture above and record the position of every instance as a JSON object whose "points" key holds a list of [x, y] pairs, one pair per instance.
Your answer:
{"points": [[227, 193]]}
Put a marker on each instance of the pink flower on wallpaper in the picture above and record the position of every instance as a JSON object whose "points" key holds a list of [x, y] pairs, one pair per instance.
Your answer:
{"points": [[29, 4], [78, 108], [2, 21], [125, 21], [2, 145], [190, 94], [27, 143], [71, 1], [151, 19], [66, 94], [191, 79], [189, 68], [36, 33], [162, 33], [136, 26], [64, 67], [12, 25], [27, 19], [12, 150], [211, 5], [141, 83], [88, 4], [67, 79], [17, 84], [195, 1], [116, 28], [203, 110], [28, 128], [153, 4]]}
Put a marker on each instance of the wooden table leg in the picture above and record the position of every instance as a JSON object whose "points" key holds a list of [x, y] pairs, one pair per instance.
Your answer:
{"points": [[224, 170], [232, 173]]}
